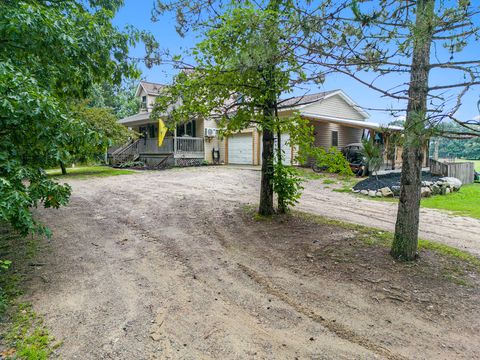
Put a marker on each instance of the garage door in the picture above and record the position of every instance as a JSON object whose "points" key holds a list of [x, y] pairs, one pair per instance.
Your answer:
{"points": [[287, 149], [240, 149]]}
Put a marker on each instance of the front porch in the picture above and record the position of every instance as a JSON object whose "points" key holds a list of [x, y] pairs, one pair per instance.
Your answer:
{"points": [[181, 151]]}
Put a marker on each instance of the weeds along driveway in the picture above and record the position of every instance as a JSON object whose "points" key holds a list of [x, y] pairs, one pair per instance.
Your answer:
{"points": [[318, 198], [435, 225], [163, 265]]}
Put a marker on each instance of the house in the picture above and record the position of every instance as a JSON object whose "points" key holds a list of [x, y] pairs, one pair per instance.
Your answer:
{"points": [[189, 144], [336, 118]]}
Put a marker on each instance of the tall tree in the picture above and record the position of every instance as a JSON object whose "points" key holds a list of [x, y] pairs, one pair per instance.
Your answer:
{"points": [[241, 68], [120, 99], [387, 45], [51, 53]]}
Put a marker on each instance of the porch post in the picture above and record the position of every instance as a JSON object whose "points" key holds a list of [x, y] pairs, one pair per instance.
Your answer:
{"points": [[175, 140]]}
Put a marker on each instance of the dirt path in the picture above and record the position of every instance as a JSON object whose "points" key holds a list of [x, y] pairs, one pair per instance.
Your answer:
{"points": [[460, 232], [162, 265]]}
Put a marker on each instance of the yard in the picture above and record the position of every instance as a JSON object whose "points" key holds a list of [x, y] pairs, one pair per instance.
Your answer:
{"points": [[85, 172], [174, 264], [466, 202]]}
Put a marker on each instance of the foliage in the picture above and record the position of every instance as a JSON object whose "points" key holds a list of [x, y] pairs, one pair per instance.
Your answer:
{"points": [[120, 99], [88, 172], [30, 120], [51, 54], [93, 131], [451, 147], [28, 336], [244, 63], [22, 332], [333, 161], [4, 265], [373, 155], [287, 185], [403, 44], [233, 79]]}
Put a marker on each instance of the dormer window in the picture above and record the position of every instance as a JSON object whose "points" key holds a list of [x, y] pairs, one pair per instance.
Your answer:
{"points": [[144, 103]]}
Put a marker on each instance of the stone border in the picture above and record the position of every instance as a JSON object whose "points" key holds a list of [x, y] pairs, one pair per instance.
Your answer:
{"points": [[443, 186]]}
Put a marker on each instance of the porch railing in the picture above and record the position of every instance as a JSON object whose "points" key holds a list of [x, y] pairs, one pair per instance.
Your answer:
{"points": [[189, 145], [126, 153], [183, 145], [150, 146]]}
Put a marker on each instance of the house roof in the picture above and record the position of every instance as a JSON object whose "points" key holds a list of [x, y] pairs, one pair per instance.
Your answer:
{"points": [[304, 99], [350, 123], [136, 119], [300, 102], [150, 88]]}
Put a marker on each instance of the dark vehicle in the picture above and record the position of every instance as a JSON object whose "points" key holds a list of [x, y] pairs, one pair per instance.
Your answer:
{"points": [[354, 155]]}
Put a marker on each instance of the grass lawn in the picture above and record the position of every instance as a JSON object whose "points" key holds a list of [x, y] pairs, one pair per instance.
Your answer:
{"points": [[465, 202], [86, 172], [477, 164]]}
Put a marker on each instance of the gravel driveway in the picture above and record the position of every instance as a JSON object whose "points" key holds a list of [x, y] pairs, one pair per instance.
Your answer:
{"points": [[160, 265]]}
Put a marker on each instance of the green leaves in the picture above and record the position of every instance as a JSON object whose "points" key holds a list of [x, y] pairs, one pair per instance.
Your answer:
{"points": [[287, 184], [51, 55], [373, 155]]}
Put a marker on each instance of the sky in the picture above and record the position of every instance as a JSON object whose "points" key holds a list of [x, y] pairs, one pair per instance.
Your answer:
{"points": [[138, 14]]}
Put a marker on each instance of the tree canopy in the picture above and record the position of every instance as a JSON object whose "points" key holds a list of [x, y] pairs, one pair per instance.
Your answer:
{"points": [[244, 63], [51, 54], [120, 99]]}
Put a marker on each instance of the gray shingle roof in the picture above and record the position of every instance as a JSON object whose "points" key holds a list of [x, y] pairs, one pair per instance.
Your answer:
{"points": [[304, 99], [152, 88], [135, 118]]}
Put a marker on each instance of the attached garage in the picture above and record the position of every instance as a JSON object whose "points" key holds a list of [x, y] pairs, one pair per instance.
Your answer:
{"points": [[286, 148], [240, 149]]}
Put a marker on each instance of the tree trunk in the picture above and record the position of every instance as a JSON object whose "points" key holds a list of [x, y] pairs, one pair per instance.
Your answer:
{"points": [[266, 189], [405, 241], [64, 169]]}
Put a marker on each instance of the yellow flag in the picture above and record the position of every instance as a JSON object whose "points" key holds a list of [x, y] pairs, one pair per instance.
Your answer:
{"points": [[162, 130]]}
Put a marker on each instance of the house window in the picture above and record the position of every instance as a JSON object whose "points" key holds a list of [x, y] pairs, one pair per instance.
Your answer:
{"points": [[187, 129], [144, 102], [152, 131], [334, 138]]}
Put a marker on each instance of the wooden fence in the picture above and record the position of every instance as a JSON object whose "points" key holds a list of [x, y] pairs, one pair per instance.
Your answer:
{"points": [[464, 171]]}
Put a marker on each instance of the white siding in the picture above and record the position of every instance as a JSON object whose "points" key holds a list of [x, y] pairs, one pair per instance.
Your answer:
{"points": [[150, 99], [210, 143], [334, 106], [346, 135]]}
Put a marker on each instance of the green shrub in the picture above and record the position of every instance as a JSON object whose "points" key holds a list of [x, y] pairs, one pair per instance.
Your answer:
{"points": [[287, 185], [373, 155], [332, 161], [132, 164], [4, 265]]}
